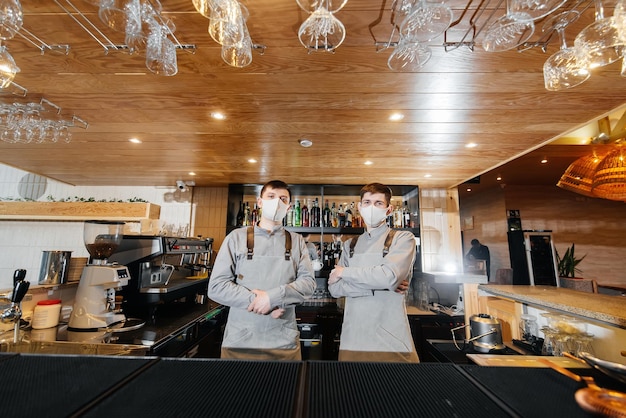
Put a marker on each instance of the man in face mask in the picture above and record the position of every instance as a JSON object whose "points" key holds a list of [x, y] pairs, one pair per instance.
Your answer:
{"points": [[369, 272], [262, 272]]}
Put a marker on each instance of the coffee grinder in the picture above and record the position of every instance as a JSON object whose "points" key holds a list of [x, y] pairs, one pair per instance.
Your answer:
{"points": [[95, 306]]}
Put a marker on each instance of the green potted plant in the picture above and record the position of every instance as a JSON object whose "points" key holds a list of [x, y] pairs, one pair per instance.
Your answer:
{"points": [[567, 266]]}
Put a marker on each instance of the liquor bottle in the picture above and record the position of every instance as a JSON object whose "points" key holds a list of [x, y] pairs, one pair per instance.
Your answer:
{"points": [[255, 215], [306, 219], [349, 215], [239, 220], [357, 221], [289, 217], [397, 217], [334, 222], [316, 215], [341, 217], [297, 214], [246, 215], [406, 215], [327, 216]]}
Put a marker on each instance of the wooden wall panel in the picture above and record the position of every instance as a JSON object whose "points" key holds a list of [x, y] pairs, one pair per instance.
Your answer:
{"points": [[596, 226], [210, 214]]}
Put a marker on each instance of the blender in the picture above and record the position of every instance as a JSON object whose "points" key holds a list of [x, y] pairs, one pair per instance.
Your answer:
{"points": [[95, 306]]}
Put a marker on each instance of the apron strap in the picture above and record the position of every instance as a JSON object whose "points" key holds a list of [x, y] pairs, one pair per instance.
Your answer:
{"points": [[287, 245], [388, 240], [250, 243]]}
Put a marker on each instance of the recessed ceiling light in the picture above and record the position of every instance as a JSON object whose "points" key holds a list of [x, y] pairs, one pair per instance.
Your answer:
{"points": [[218, 115], [368, 162], [135, 140], [499, 178], [471, 145], [251, 160], [191, 173], [428, 175], [396, 117], [306, 142], [469, 189], [545, 160]]}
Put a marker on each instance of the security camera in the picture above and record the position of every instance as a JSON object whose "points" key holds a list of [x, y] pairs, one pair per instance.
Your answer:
{"points": [[181, 185]]}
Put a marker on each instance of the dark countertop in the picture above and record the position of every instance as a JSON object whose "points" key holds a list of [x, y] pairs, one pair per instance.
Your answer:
{"points": [[98, 386]]}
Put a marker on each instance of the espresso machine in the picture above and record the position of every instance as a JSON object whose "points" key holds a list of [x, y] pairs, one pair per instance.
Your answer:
{"points": [[163, 269], [95, 305]]}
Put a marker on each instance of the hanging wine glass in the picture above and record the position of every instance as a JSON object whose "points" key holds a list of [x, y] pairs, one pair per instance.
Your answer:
{"points": [[8, 68], [600, 43], [134, 36], [228, 20], [409, 56], [564, 69], [203, 7], [426, 21], [11, 18], [161, 52], [508, 31], [321, 31], [240, 54], [332, 6], [536, 9]]}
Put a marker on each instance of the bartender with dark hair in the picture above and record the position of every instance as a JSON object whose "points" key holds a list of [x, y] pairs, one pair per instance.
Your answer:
{"points": [[479, 252]]}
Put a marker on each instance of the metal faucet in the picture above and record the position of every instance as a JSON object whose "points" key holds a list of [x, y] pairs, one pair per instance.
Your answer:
{"points": [[14, 312]]}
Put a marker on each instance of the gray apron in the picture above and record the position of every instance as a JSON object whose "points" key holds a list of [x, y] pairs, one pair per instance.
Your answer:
{"points": [[261, 337], [385, 335]]}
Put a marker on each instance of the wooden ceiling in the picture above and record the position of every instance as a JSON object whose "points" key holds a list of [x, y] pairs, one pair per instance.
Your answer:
{"points": [[340, 101]]}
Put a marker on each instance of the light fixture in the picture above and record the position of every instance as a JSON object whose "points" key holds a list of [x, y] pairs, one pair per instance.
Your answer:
{"points": [[218, 115], [609, 181], [306, 143], [578, 177], [471, 145], [499, 177], [368, 162], [544, 160], [252, 160], [191, 173], [135, 140], [8, 68], [428, 176], [394, 117]]}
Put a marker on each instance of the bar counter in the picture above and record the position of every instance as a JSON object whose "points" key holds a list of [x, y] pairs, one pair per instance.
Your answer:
{"points": [[96, 386], [610, 310]]}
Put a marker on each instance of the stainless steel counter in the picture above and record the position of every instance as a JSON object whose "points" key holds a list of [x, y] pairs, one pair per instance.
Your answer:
{"points": [[604, 308]]}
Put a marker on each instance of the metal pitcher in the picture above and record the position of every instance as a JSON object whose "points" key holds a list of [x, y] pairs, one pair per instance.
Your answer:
{"points": [[54, 267]]}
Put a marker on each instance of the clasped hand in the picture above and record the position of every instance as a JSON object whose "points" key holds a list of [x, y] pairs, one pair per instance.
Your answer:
{"points": [[260, 305]]}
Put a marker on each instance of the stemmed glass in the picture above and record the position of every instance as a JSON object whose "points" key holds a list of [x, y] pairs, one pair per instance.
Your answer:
{"points": [[321, 31], [600, 43], [239, 54], [409, 55], [11, 18], [508, 31], [161, 51], [426, 21], [564, 69], [8, 68], [536, 9], [332, 6], [228, 20]]}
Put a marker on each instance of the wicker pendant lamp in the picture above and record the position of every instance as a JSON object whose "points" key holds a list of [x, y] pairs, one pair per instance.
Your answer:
{"points": [[578, 177], [609, 181]]}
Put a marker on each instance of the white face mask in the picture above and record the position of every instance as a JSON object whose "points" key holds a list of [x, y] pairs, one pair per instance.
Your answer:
{"points": [[274, 209], [373, 216]]}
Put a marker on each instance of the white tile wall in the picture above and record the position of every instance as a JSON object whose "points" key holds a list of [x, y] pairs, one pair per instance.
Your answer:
{"points": [[22, 242]]}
